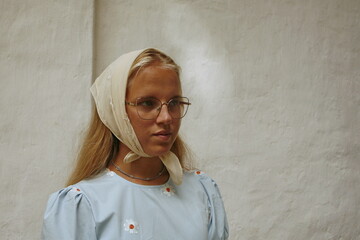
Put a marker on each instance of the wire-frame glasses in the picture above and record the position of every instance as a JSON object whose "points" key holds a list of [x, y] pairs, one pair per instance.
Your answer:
{"points": [[149, 108]]}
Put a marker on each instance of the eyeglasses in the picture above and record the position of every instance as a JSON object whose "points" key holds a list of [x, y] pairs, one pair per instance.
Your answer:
{"points": [[149, 108]]}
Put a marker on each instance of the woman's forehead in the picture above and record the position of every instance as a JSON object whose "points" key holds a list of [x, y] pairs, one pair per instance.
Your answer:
{"points": [[155, 79]]}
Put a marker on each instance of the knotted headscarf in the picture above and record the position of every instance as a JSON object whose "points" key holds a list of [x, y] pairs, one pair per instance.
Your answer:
{"points": [[109, 92]]}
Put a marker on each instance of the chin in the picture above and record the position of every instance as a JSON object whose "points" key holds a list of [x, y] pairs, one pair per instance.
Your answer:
{"points": [[157, 152]]}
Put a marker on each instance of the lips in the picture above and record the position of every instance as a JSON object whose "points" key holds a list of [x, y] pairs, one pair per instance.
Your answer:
{"points": [[164, 135]]}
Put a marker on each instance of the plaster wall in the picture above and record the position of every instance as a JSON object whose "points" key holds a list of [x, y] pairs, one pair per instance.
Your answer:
{"points": [[45, 73], [275, 114]]}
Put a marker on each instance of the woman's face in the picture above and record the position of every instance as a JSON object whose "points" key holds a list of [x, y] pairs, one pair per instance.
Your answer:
{"points": [[158, 135]]}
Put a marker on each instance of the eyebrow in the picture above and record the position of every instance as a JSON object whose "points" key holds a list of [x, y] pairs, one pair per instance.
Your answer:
{"points": [[150, 96]]}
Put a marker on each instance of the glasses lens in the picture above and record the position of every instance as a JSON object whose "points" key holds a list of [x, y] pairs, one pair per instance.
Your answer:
{"points": [[148, 108], [178, 106]]}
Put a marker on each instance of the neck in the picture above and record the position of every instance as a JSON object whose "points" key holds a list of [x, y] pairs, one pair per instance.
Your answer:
{"points": [[140, 168]]}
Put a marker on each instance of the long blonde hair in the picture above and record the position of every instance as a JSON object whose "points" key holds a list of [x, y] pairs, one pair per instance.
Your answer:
{"points": [[100, 146]]}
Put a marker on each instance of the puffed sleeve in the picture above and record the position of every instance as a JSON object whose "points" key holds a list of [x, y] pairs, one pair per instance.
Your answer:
{"points": [[68, 215], [218, 225]]}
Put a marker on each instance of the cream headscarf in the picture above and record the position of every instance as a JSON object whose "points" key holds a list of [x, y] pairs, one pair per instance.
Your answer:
{"points": [[109, 92]]}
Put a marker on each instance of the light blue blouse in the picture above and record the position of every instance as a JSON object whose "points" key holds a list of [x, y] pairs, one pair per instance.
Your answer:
{"points": [[109, 207]]}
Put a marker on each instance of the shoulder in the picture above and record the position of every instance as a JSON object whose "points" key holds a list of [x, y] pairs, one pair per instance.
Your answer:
{"points": [[79, 193], [70, 209], [65, 200], [197, 175], [100, 189], [200, 178], [70, 193]]}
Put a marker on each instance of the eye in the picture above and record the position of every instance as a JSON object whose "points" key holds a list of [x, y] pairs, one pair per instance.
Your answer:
{"points": [[174, 102], [146, 103]]}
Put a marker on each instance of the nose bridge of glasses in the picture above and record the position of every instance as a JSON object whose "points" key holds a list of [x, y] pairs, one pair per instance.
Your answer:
{"points": [[161, 106], [160, 111]]}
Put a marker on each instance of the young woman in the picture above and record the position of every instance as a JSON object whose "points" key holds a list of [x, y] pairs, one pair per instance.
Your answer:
{"points": [[133, 179]]}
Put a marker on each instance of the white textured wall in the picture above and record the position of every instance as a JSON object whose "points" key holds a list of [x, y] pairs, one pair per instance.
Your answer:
{"points": [[275, 89], [45, 73]]}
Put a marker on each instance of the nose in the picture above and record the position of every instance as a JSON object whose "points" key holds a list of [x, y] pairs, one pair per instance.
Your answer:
{"points": [[164, 115]]}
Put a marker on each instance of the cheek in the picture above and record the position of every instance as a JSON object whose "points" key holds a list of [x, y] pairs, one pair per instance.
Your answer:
{"points": [[131, 112], [137, 124], [177, 126]]}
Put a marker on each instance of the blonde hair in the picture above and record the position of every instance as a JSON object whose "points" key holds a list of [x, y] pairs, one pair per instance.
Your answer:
{"points": [[100, 146]]}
